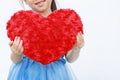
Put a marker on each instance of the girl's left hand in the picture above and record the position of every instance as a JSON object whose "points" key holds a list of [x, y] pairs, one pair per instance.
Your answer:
{"points": [[73, 54], [80, 40]]}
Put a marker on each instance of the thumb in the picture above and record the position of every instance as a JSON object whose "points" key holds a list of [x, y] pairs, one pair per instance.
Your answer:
{"points": [[10, 43]]}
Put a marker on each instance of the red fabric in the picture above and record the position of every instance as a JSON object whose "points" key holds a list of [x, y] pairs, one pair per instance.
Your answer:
{"points": [[45, 39]]}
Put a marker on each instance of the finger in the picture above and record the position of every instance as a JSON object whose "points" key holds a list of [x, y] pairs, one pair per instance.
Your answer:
{"points": [[15, 39], [79, 36], [20, 45], [16, 42], [80, 33], [10, 43], [22, 49]]}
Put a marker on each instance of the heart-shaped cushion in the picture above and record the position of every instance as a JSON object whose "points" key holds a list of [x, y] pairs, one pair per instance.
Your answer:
{"points": [[45, 39]]}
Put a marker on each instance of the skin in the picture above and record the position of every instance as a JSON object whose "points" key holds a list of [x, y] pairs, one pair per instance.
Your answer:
{"points": [[43, 7]]}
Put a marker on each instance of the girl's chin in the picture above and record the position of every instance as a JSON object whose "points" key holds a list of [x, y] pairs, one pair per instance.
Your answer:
{"points": [[41, 10]]}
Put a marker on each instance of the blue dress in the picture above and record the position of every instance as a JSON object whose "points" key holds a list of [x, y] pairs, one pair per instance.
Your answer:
{"points": [[29, 69]]}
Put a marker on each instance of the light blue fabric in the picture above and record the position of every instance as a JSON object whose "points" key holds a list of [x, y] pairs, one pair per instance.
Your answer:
{"points": [[29, 69]]}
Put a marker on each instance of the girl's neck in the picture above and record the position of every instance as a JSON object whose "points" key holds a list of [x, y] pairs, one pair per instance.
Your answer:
{"points": [[45, 13]]}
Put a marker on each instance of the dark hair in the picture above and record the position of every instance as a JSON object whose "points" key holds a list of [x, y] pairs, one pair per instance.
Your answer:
{"points": [[53, 5]]}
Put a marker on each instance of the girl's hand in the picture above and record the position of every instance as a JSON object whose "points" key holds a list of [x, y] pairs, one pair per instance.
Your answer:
{"points": [[80, 41], [73, 54], [16, 46]]}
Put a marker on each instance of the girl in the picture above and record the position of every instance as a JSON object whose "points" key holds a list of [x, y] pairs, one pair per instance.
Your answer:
{"points": [[27, 69]]}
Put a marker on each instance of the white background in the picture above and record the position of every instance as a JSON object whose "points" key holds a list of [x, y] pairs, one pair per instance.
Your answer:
{"points": [[100, 57]]}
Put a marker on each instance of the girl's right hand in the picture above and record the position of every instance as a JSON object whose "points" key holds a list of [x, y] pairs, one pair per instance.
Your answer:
{"points": [[16, 46]]}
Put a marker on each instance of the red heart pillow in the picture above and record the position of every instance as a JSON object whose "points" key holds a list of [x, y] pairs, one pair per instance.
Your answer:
{"points": [[45, 39]]}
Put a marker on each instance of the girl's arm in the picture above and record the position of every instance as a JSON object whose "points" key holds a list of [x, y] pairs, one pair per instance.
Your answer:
{"points": [[16, 49], [73, 54]]}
